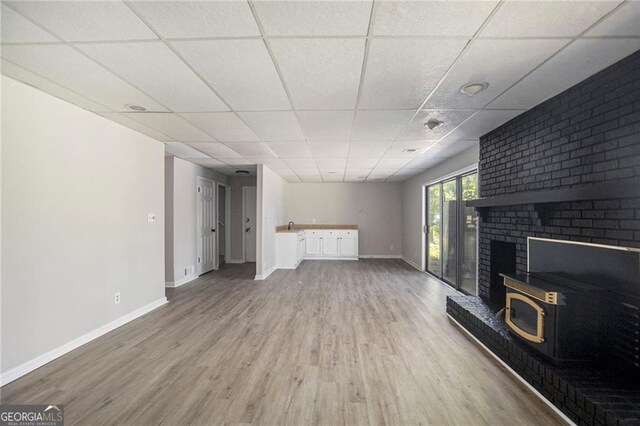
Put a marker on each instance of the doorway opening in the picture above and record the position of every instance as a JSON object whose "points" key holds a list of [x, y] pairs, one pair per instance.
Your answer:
{"points": [[223, 234], [249, 200]]}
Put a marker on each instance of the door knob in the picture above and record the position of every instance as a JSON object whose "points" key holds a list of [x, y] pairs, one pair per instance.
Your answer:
{"points": [[213, 230]]}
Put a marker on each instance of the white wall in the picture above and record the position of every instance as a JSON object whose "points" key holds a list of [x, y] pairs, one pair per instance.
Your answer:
{"points": [[272, 193], [76, 192], [413, 203], [375, 207], [182, 175]]}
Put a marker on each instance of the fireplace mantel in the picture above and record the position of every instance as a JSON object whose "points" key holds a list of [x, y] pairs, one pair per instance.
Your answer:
{"points": [[627, 188]]}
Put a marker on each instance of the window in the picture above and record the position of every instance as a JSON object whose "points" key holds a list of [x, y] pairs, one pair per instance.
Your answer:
{"points": [[452, 231]]}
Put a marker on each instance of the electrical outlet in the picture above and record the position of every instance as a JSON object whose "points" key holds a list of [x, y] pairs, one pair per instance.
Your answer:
{"points": [[188, 270], [151, 217], [117, 298]]}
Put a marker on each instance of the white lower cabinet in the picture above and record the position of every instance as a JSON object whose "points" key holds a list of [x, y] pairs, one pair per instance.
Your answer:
{"points": [[293, 247]]}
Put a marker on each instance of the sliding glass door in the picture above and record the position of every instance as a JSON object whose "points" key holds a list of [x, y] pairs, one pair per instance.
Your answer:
{"points": [[452, 231]]}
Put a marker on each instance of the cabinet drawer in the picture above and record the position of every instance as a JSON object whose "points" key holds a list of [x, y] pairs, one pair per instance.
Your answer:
{"points": [[331, 233], [351, 233], [313, 233]]}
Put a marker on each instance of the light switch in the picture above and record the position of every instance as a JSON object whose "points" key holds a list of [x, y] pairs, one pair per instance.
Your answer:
{"points": [[151, 217]]}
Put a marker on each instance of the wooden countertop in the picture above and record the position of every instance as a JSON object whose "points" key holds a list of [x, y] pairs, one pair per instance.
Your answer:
{"points": [[302, 227]]}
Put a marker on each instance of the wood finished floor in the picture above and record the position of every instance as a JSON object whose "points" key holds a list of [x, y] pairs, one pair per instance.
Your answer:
{"points": [[332, 342]]}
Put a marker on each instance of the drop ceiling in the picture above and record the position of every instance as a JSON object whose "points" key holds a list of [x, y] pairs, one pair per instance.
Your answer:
{"points": [[319, 91]]}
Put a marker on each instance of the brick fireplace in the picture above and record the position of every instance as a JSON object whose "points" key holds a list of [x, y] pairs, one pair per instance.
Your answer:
{"points": [[568, 169]]}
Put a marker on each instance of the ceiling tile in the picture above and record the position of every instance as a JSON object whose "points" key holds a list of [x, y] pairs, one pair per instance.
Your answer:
{"points": [[331, 171], [74, 71], [252, 149], [449, 148], [285, 172], [329, 149], [362, 163], [430, 18], [290, 149], [481, 123], [332, 178], [545, 18], [353, 179], [331, 162], [379, 125], [301, 163], [376, 178], [229, 171], [400, 73], [416, 130], [237, 162], [86, 20], [272, 163], [171, 125], [183, 151], [274, 125], [307, 172], [215, 150], [21, 74], [408, 172], [125, 121], [576, 62], [314, 18], [623, 22], [16, 29], [208, 162], [155, 69], [293, 179], [368, 149], [224, 126], [311, 179], [498, 62], [181, 19], [357, 172], [241, 71], [422, 163], [393, 163], [326, 125], [320, 73], [397, 178], [383, 172], [400, 148]]}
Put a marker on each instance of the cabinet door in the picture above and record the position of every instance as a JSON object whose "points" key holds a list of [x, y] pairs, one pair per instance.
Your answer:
{"points": [[313, 245], [348, 246], [330, 245], [301, 249]]}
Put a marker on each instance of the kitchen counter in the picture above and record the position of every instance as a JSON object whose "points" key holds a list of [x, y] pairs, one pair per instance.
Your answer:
{"points": [[303, 227]]}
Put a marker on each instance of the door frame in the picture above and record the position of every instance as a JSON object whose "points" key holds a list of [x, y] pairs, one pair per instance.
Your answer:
{"points": [[227, 223], [244, 240], [198, 235]]}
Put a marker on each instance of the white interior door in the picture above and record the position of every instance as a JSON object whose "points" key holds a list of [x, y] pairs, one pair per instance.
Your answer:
{"points": [[249, 223], [206, 226]]}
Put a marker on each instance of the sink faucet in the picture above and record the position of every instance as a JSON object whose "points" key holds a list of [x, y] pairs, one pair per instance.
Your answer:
{"points": [[289, 225]]}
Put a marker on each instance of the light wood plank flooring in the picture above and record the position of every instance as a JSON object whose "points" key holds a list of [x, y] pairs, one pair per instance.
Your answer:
{"points": [[333, 342]]}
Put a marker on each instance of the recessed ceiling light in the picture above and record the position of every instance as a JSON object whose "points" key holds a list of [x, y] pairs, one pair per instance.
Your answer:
{"points": [[361, 177], [242, 172], [409, 150], [433, 123], [331, 173], [135, 107], [474, 88]]}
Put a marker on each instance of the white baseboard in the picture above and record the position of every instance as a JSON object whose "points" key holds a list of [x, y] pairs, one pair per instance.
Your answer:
{"points": [[380, 256], [180, 282], [46, 358], [234, 261], [329, 258], [266, 274], [513, 373], [412, 263]]}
